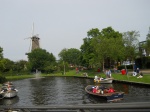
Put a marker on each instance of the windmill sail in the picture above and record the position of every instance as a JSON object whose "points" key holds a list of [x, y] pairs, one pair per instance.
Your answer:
{"points": [[34, 42]]}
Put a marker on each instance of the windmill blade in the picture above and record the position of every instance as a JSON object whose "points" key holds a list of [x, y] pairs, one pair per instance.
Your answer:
{"points": [[30, 45], [27, 38]]}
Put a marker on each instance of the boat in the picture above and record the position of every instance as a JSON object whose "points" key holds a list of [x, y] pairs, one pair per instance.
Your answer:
{"points": [[103, 80], [110, 97], [8, 90]]}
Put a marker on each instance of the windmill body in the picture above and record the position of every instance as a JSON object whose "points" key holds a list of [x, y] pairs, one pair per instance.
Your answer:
{"points": [[34, 44]]}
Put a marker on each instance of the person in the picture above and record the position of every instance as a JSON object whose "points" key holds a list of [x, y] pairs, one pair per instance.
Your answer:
{"points": [[115, 69], [141, 75], [137, 71], [134, 73], [96, 89], [77, 70], [102, 88], [110, 90], [8, 88], [96, 78], [85, 74], [108, 73]]}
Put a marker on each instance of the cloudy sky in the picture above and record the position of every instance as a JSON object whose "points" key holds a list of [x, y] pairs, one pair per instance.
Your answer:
{"points": [[64, 23]]}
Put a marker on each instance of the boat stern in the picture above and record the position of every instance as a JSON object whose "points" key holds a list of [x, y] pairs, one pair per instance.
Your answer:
{"points": [[115, 96]]}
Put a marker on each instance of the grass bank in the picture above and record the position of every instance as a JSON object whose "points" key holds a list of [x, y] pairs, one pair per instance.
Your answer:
{"points": [[91, 74]]}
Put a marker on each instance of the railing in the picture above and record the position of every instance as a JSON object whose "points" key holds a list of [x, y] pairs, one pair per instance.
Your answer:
{"points": [[108, 107]]}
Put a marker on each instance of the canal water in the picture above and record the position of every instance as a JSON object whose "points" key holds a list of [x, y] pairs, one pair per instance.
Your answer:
{"points": [[68, 91]]}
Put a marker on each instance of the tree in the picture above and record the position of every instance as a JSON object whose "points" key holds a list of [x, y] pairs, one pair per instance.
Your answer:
{"points": [[6, 65], [108, 45], [71, 56], [1, 53], [40, 59], [131, 44], [147, 46], [20, 66], [88, 55]]}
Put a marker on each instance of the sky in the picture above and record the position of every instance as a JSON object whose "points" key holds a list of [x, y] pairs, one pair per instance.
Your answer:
{"points": [[64, 23]]}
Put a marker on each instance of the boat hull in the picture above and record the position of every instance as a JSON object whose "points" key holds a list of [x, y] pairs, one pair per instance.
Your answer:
{"points": [[115, 96], [9, 94], [104, 81]]}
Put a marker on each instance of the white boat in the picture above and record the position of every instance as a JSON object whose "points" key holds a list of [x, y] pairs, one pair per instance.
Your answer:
{"points": [[8, 91], [9, 94], [103, 81]]}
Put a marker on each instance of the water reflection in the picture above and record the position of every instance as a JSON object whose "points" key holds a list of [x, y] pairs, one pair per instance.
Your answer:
{"points": [[10, 101], [70, 90]]}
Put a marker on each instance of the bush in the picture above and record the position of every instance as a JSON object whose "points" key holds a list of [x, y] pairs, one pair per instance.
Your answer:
{"points": [[2, 79]]}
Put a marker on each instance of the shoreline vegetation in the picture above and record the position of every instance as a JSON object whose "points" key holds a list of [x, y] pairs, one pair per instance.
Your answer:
{"points": [[91, 74]]}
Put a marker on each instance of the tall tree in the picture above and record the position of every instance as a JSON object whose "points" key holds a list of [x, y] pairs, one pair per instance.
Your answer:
{"points": [[87, 52], [6, 65], [147, 47], [131, 43], [72, 56], [40, 58], [1, 52], [108, 45]]}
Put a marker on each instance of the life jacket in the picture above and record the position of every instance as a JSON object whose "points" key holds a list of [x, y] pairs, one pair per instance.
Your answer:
{"points": [[94, 90], [111, 90]]}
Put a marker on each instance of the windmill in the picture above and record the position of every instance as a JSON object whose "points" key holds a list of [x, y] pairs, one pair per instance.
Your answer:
{"points": [[34, 41]]}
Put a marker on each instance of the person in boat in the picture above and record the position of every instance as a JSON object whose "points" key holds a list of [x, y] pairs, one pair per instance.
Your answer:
{"points": [[8, 88], [110, 90], [102, 89], [96, 89], [96, 78]]}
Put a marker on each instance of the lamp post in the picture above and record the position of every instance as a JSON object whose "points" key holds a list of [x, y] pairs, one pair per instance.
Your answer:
{"points": [[64, 68], [126, 69]]}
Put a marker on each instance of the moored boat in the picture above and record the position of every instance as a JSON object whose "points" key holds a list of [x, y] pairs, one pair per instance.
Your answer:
{"points": [[103, 81], [8, 90], [114, 96]]}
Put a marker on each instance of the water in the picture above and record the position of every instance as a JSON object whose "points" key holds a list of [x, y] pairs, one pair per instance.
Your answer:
{"points": [[37, 74], [68, 90]]}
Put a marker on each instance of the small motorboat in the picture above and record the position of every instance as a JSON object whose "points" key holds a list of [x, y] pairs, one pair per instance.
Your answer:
{"points": [[103, 80], [114, 96], [8, 90]]}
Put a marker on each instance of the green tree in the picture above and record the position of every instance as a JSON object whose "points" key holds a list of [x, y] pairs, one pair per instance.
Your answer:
{"points": [[40, 59], [87, 51], [6, 65], [1, 53], [131, 43], [71, 56], [147, 46], [108, 45], [20, 66]]}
